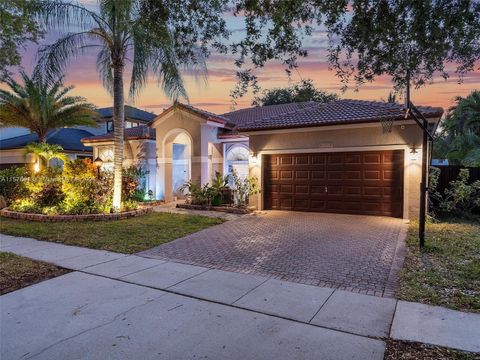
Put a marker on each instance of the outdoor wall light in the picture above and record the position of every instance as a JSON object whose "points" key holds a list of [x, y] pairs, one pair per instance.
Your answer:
{"points": [[98, 163], [413, 153], [254, 159], [36, 166]]}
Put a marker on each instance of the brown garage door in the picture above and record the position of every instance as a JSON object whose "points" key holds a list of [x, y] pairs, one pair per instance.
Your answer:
{"points": [[369, 182]]}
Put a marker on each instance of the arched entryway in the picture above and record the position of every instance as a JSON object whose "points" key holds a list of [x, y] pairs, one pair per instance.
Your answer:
{"points": [[177, 150]]}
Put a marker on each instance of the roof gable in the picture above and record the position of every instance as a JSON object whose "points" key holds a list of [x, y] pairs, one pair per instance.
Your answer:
{"points": [[206, 115]]}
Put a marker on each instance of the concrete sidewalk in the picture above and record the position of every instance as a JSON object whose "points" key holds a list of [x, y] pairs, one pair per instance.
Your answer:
{"points": [[319, 312]]}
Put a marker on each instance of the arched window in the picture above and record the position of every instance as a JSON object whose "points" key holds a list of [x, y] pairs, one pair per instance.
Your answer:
{"points": [[237, 153], [237, 160]]}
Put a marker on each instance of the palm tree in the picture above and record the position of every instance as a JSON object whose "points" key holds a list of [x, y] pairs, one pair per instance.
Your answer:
{"points": [[120, 35], [459, 140], [40, 106], [46, 152]]}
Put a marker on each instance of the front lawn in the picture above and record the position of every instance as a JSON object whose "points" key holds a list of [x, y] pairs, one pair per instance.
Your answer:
{"points": [[447, 271], [124, 236], [17, 272]]}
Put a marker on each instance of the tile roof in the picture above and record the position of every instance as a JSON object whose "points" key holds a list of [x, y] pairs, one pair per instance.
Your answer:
{"points": [[307, 114], [68, 138], [138, 132], [131, 112]]}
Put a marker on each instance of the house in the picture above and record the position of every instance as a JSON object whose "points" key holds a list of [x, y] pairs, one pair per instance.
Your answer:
{"points": [[13, 140], [12, 149], [346, 156]]}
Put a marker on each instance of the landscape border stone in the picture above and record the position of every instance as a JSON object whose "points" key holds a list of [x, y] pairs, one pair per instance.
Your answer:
{"points": [[87, 217]]}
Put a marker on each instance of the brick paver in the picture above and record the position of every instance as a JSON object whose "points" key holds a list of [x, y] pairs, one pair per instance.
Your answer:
{"points": [[349, 252]]}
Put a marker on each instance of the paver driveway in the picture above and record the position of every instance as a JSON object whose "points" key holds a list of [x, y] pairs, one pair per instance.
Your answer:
{"points": [[350, 252]]}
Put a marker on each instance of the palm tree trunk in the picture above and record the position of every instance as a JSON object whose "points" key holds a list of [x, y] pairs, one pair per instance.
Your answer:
{"points": [[118, 134], [42, 137]]}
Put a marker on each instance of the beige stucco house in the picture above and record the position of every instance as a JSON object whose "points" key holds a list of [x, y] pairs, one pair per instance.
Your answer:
{"points": [[346, 156]]}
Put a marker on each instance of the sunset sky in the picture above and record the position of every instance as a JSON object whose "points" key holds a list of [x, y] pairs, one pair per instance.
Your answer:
{"points": [[213, 93]]}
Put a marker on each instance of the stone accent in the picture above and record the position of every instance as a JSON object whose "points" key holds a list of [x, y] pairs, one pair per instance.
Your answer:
{"points": [[88, 217]]}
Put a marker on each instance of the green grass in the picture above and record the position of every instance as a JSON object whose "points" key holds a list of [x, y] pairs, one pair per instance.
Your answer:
{"points": [[124, 236], [17, 272], [447, 271]]}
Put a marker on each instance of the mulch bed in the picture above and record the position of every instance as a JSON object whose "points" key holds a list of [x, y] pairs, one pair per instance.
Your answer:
{"points": [[403, 350], [227, 209], [17, 272]]}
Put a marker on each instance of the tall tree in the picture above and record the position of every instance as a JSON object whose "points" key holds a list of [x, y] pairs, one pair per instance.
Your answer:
{"points": [[303, 91], [459, 139], [155, 36], [41, 106], [18, 26], [367, 38]]}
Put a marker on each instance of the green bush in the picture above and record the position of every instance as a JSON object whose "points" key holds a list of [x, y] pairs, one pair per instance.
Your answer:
{"points": [[78, 188], [13, 183], [244, 188], [460, 198], [45, 187], [87, 191], [26, 206], [131, 179]]}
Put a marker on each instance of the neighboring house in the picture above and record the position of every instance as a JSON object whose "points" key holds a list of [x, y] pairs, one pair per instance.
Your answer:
{"points": [[133, 117], [12, 150], [13, 140], [332, 157]]}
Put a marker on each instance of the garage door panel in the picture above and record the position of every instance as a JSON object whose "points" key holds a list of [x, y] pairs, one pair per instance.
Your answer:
{"points": [[318, 159], [335, 175], [352, 190], [353, 183], [285, 189], [372, 175], [302, 174], [302, 160], [372, 158], [302, 189], [318, 175]]}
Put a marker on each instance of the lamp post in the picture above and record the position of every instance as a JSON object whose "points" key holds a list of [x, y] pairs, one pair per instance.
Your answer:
{"points": [[98, 163]]}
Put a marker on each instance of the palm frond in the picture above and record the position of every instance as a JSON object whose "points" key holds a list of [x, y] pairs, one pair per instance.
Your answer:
{"points": [[104, 68], [53, 59], [65, 15]]}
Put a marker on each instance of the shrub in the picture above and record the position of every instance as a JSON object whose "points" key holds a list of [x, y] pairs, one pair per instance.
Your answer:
{"points": [[129, 205], [13, 183], [45, 187], [86, 190], [131, 179], [460, 198], [244, 188], [26, 206], [199, 195]]}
